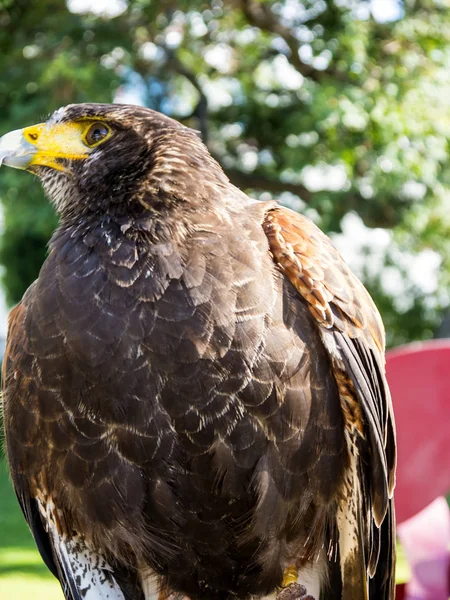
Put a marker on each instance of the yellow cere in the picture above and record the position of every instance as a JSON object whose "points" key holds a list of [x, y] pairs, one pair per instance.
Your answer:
{"points": [[58, 141]]}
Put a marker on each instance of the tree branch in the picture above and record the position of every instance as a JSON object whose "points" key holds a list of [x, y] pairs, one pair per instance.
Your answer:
{"points": [[260, 15], [257, 181], [201, 109], [373, 216]]}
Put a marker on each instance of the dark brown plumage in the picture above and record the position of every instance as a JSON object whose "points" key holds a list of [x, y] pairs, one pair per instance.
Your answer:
{"points": [[194, 388]]}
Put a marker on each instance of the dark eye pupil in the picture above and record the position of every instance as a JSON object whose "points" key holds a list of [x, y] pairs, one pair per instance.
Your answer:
{"points": [[96, 133]]}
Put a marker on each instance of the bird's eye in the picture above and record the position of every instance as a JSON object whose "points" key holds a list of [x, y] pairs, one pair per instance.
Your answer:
{"points": [[96, 133]]}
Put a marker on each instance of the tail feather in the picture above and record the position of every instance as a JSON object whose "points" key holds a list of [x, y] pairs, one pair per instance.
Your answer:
{"points": [[367, 553], [382, 586], [352, 547]]}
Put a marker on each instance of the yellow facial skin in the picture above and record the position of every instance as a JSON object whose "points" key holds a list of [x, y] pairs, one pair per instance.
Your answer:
{"points": [[50, 144]]}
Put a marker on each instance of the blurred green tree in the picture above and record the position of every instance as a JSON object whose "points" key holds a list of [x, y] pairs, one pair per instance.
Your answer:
{"points": [[333, 107]]}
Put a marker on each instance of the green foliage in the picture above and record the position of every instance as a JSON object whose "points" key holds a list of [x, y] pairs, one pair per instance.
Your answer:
{"points": [[23, 574], [46, 61], [29, 220], [281, 91]]}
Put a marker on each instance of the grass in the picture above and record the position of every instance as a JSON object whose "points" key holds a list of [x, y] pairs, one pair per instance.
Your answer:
{"points": [[23, 575], [403, 571]]}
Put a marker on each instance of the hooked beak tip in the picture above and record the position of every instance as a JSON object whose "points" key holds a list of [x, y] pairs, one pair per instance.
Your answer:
{"points": [[15, 150]]}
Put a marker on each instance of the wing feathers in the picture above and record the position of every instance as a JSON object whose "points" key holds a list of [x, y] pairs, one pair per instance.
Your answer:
{"points": [[368, 399], [353, 335]]}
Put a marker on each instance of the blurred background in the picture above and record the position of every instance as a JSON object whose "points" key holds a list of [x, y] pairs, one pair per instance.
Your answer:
{"points": [[339, 109]]}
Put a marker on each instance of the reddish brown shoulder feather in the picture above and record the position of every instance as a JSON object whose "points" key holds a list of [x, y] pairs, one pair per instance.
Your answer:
{"points": [[316, 269]]}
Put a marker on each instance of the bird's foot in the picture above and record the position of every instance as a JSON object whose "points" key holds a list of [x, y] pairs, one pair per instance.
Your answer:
{"points": [[294, 591]]}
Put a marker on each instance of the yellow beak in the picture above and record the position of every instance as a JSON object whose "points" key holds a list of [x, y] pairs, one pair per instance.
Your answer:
{"points": [[47, 145]]}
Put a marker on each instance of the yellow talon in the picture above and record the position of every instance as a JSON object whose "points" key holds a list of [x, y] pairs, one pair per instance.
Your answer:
{"points": [[289, 577]]}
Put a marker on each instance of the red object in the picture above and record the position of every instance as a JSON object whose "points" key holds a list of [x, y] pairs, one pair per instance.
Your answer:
{"points": [[419, 378]]}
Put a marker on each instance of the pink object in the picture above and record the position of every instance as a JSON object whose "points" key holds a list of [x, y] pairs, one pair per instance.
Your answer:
{"points": [[419, 378], [426, 540]]}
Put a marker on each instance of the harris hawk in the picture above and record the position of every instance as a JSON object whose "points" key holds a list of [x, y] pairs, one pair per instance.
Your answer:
{"points": [[194, 396]]}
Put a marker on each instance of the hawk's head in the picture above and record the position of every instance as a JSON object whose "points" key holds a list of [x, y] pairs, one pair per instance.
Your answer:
{"points": [[106, 157]]}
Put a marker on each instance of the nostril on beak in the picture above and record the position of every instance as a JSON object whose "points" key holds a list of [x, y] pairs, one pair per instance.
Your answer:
{"points": [[32, 134]]}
